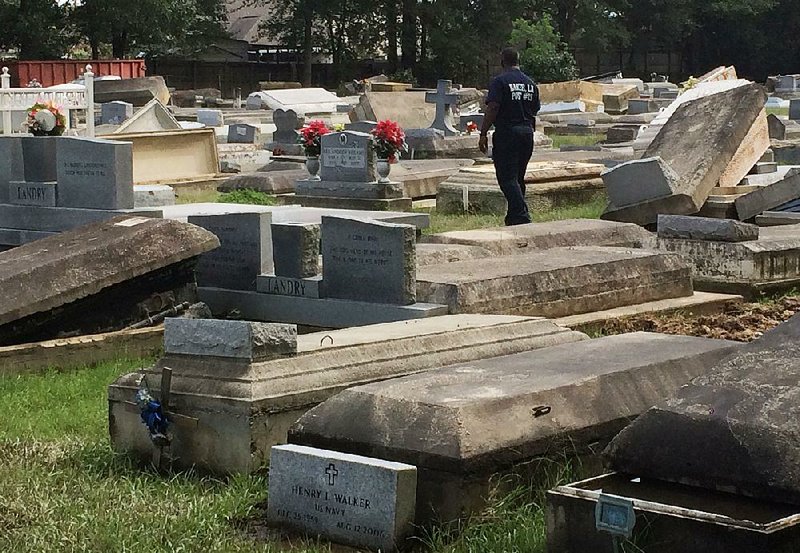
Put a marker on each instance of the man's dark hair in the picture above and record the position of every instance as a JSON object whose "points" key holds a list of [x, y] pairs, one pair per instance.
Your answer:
{"points": [[510, 57]]}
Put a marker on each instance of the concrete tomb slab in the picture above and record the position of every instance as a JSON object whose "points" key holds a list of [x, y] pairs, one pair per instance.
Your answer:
{"points": [[301, 100], [556, 282], [770, 263], [523, 239], [100, 277], [115, 113], [733, 428], [244, 408], [705, 228], [349, 499], [769, 197], [153, 195], [462, 424], [409, 109]]}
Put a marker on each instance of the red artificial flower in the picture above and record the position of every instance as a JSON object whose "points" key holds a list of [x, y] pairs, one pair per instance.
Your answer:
{"points": [[389, 140]]}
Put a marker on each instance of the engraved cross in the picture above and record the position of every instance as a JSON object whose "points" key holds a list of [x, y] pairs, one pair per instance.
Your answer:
{"points": [[332, 474]]}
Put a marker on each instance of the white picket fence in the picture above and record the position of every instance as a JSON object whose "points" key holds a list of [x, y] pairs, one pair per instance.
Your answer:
{"points": [[20, 99]]}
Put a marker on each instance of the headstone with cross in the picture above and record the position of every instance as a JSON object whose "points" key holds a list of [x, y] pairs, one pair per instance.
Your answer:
{"points": [[444, 98]]}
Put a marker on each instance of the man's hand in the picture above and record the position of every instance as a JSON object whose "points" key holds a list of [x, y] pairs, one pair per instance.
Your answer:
{"points": [[483, 143]]}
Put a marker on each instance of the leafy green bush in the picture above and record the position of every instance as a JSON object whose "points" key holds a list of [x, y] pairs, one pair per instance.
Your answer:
{"points": [[542, 53]]}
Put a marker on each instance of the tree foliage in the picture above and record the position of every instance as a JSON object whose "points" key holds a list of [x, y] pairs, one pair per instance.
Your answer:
{"points": [[542, 54]]}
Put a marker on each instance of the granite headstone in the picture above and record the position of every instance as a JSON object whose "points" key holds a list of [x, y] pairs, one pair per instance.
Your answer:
{"points": [[349, 499], [251, 341], [369, 261], [245, 250], [347, 157], [11, 162], [242, 133], [210, 117], [287, 123], [115, 113], [95, 173], [295, 249]]}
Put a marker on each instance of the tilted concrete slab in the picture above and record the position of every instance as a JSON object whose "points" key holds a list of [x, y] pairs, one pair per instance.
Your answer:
{"points": [[66, 282], [732, 429], [462, 424], [246, 408], [556, 282], [698, 143]]}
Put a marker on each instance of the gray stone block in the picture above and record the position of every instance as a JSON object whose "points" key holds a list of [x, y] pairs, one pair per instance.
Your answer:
{"points": [[705, 228], [348, 499], [296, 249], [794, 109], [40, 158], [115, 113], [153, 195], [246, 340], [361, 126], [210, 117], [95, 173], [287, 124], [769, 197], [344, 189], [11, 164], [369, 261], [245, 250], [640, 180]]}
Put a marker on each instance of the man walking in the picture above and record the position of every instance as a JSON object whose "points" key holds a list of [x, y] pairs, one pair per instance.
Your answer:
{"points": [[511, 107]]}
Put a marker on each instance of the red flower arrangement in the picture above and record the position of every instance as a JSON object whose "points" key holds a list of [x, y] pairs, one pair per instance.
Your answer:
{"points": [[472, 127], [310, 136], [45, 119], [389, 140]]}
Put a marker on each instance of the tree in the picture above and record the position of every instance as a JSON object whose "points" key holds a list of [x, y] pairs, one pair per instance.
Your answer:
{"points": [[154, 26], [37, 28], [542, 54]]}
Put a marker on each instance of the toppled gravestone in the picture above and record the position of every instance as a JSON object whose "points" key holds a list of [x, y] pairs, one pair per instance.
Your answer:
{"points": [[698, 143], [705, 228], [98, 278], [735, 428]]}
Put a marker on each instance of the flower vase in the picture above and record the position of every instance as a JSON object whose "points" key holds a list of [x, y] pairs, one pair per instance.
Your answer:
{"points": [[384, 168], [312, 166]]}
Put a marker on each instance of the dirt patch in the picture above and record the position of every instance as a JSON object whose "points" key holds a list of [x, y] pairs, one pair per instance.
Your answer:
{"points": [[743, 323]]}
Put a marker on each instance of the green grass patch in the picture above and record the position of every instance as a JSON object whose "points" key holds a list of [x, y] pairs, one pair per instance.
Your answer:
{"points": [[247, 196], [778, 111], [63, 489], [441, 222], [575, 140]]}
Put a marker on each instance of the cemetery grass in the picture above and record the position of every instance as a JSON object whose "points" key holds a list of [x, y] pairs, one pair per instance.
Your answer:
{"points": [[446, 223], [63, 489]]}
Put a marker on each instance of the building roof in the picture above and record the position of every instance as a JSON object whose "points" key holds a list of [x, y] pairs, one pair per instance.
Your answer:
{"points": [[245, 18]]}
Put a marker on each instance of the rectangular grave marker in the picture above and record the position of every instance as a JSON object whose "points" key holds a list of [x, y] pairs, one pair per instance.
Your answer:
{"points": [[10, 163], [296, 249], [349, 499], [242, 133], [369, 261], [94, 173], [245, 250], [32, 193], [347, 156]]}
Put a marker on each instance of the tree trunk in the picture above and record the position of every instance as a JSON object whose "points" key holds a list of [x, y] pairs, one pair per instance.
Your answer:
{"points": [[409, 35], [119, 45], [308, 42], [391, 34], [94, 43]]}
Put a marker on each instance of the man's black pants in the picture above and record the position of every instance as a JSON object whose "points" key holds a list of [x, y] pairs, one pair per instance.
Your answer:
{"points": [[512, 148]]}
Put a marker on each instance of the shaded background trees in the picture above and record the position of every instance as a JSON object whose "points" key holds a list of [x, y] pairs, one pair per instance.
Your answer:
{"points": [[429, 39]]}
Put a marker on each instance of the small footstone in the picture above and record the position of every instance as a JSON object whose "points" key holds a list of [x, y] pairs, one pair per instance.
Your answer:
{"points": [[347, 499], [245, 340], [705, 228]]}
